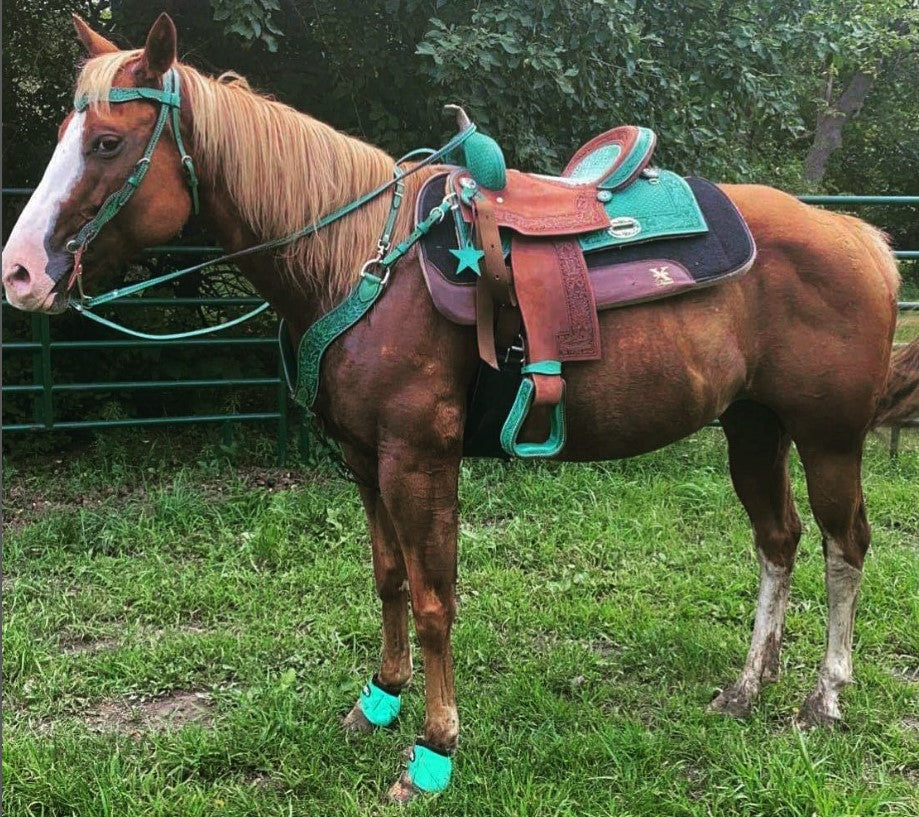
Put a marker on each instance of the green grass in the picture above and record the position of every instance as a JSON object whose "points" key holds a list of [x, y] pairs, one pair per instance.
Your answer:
{"points": [[600, 608]]}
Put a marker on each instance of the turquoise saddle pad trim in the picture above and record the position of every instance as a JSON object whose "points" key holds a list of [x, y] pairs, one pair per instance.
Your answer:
{"points": [[649, 209], [661, 207]]}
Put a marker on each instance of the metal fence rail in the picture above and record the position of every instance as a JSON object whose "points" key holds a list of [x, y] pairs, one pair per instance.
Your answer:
{"points": [[43, 389]]}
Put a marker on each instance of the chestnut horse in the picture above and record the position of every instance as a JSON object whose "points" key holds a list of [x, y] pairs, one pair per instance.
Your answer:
{"points": [[797, 350]]}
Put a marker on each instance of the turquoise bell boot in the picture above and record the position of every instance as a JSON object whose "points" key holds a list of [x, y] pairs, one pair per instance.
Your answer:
{"points": [[428, 769], [380, 707]]}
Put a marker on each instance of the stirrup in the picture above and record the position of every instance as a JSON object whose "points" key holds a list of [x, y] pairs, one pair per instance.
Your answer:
{"points": [[521, 409]]}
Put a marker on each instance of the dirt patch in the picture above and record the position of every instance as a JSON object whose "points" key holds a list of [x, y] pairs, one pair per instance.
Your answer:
{"points": [[274, 479], [133, 717], [183, 629], [909, 675], [271, 480], [21, 508], [911, 724], [695, 776], [77, 643], [545, 642], [84, 644], [25, 501]]}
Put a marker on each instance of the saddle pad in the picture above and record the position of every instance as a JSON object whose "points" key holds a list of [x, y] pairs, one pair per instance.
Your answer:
{"points": [[620, 275], [661, 206]]}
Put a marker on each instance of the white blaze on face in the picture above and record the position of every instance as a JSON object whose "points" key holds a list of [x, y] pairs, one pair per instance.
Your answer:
{"points": [[25, 257]]}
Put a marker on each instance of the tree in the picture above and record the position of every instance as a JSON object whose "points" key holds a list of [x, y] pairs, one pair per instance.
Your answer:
{"points": [[855, 42], [729, 87]]}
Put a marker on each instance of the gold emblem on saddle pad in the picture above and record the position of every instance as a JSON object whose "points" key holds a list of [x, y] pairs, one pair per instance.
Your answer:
{"points": [[661, 276]]}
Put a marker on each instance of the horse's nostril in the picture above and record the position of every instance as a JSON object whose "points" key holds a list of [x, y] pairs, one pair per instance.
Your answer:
{"points": [[18, 275], [16, 279]]}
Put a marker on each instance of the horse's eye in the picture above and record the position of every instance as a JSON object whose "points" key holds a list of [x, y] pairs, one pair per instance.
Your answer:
{"points": [[106, 145]]}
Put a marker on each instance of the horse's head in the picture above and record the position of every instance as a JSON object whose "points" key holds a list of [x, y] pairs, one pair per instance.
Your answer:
{"points": [[100, 149]]}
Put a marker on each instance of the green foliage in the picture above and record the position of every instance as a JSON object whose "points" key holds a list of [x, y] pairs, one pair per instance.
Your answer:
{"points": [[732, 89], [249, 19], [729, 88]]}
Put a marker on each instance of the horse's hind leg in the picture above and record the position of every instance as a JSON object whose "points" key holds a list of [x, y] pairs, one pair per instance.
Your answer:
{"points": [[392, 588], [758, 452], [834, 486]]}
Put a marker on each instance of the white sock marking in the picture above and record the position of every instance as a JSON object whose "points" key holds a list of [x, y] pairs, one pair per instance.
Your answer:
{"points": [[842, 586]]}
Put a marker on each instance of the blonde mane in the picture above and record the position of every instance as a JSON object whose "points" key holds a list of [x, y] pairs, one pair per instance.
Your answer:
{"points": [[281, 168]]}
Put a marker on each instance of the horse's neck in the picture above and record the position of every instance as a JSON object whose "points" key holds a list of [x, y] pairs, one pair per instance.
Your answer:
{"points": [[261, 270], [300, 304]]}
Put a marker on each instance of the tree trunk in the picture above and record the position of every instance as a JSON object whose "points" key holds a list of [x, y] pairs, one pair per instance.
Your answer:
{"points": [[828, 134]]}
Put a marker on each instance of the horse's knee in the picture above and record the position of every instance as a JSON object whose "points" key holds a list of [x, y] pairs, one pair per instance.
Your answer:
{"points": [[391, 583], [779, 545], [434, 615]]}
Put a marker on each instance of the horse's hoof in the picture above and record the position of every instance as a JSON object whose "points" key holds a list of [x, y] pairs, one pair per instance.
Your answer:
{"points": [[734, 701], [356, 721], [818, 712], [402, 791]]}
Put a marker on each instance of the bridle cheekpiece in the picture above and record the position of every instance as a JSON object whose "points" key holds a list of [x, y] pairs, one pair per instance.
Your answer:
{"points": [[170, 107]]}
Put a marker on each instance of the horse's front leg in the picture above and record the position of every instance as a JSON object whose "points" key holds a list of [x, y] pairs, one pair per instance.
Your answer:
{"points": [[420, 492], [379, 702]]}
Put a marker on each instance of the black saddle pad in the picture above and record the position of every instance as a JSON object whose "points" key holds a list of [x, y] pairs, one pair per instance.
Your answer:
{"points": [[725, 250]]}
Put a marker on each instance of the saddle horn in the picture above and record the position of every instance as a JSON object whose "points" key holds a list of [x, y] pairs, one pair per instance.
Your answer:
{"points": [[462, 118], [483, 156]]}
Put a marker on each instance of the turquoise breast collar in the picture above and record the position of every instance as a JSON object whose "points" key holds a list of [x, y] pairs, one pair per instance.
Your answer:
{"points": [[302, 370]]}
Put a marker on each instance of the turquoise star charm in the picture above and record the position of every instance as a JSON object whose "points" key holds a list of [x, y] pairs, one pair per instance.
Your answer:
{"points": [[469, 258]]}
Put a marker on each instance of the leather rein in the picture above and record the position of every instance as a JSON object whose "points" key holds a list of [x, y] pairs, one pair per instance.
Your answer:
{"points": [[169, 99]]}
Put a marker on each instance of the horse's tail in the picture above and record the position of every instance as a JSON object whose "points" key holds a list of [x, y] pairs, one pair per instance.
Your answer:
{"points": [[900, 400]]}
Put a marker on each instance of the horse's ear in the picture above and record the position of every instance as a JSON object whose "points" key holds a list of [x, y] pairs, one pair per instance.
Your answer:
{"points": [[160, 50], [95, 44]]}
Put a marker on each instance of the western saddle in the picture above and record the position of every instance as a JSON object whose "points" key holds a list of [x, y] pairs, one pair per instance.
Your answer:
{"points": [[546, 285]]}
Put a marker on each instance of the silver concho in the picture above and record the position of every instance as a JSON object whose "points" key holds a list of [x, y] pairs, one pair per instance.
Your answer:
{"points": [[624, 227]]}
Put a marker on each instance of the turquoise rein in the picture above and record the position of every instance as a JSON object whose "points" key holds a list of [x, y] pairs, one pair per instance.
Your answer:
{"points": [[170, 105]]}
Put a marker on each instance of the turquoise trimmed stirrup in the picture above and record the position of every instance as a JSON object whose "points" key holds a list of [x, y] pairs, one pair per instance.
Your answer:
{"points": [[380, 707], [521, 408], [428, 769]]}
